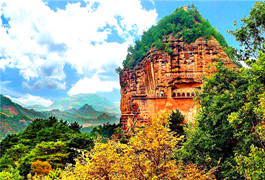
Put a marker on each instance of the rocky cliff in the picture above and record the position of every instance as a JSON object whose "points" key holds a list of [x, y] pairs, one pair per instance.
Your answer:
{"points": [[164, 81]]}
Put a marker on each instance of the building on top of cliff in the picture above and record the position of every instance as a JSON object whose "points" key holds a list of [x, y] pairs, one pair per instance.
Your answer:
{"points": [[169, 74]]}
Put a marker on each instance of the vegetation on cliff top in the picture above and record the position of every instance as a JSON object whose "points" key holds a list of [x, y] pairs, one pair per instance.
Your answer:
{"points": [[187, 24]]}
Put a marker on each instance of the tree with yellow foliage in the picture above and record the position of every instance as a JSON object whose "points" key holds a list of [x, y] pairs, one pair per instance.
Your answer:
{"points": [[41, 168], [149, 154]]}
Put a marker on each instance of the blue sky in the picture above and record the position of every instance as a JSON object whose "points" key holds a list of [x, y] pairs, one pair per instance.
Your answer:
{"points": [[52, 49]]}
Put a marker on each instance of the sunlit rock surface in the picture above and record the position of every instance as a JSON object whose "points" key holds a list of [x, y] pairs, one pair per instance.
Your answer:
{"points": [[163, 82]]}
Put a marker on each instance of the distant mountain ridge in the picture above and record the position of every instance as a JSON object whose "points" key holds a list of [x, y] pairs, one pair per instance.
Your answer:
{"points": [[37, 107], [85, 111], [16, 109], [14, 117], [77, 101]]}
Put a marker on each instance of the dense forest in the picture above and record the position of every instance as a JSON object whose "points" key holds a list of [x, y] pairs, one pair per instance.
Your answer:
{"points": [[226, 141], [44, 145]]}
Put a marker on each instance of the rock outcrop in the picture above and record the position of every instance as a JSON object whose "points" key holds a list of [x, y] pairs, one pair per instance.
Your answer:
{"points": [[163, 82]]}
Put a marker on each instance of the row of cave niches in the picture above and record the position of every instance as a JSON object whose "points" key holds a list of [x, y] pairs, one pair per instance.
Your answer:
{"points": [[177, 95], [183, 95]]}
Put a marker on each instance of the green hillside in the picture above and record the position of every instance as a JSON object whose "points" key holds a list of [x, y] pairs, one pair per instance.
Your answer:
{"points": [[10, 123], [187, 24], [15, 118], [16, 109]]}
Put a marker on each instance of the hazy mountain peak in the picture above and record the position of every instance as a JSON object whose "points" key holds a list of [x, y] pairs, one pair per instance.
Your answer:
{"points": [[95, 101]]}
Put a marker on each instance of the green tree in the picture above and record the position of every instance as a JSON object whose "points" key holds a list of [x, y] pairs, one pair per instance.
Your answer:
{"points": [[176, 122], [249, 122], [212, 139], [8, 142], [105, 130], [10, 174], [251, 32], [252, 166], [75, 127], [56, 153], [12, 155], [230, 118]]}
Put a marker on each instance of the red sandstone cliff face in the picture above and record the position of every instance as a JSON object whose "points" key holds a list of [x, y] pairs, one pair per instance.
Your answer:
{"points": [[163, 82]]}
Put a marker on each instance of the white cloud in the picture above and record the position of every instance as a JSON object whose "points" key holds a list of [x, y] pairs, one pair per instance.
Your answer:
{"points": [[41, 41], [44, 84], [93, 85], [93, 57], [29, 100], [22, 99]]}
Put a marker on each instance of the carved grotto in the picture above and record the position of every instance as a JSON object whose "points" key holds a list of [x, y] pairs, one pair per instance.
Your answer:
{"points": [[163, 82]]}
